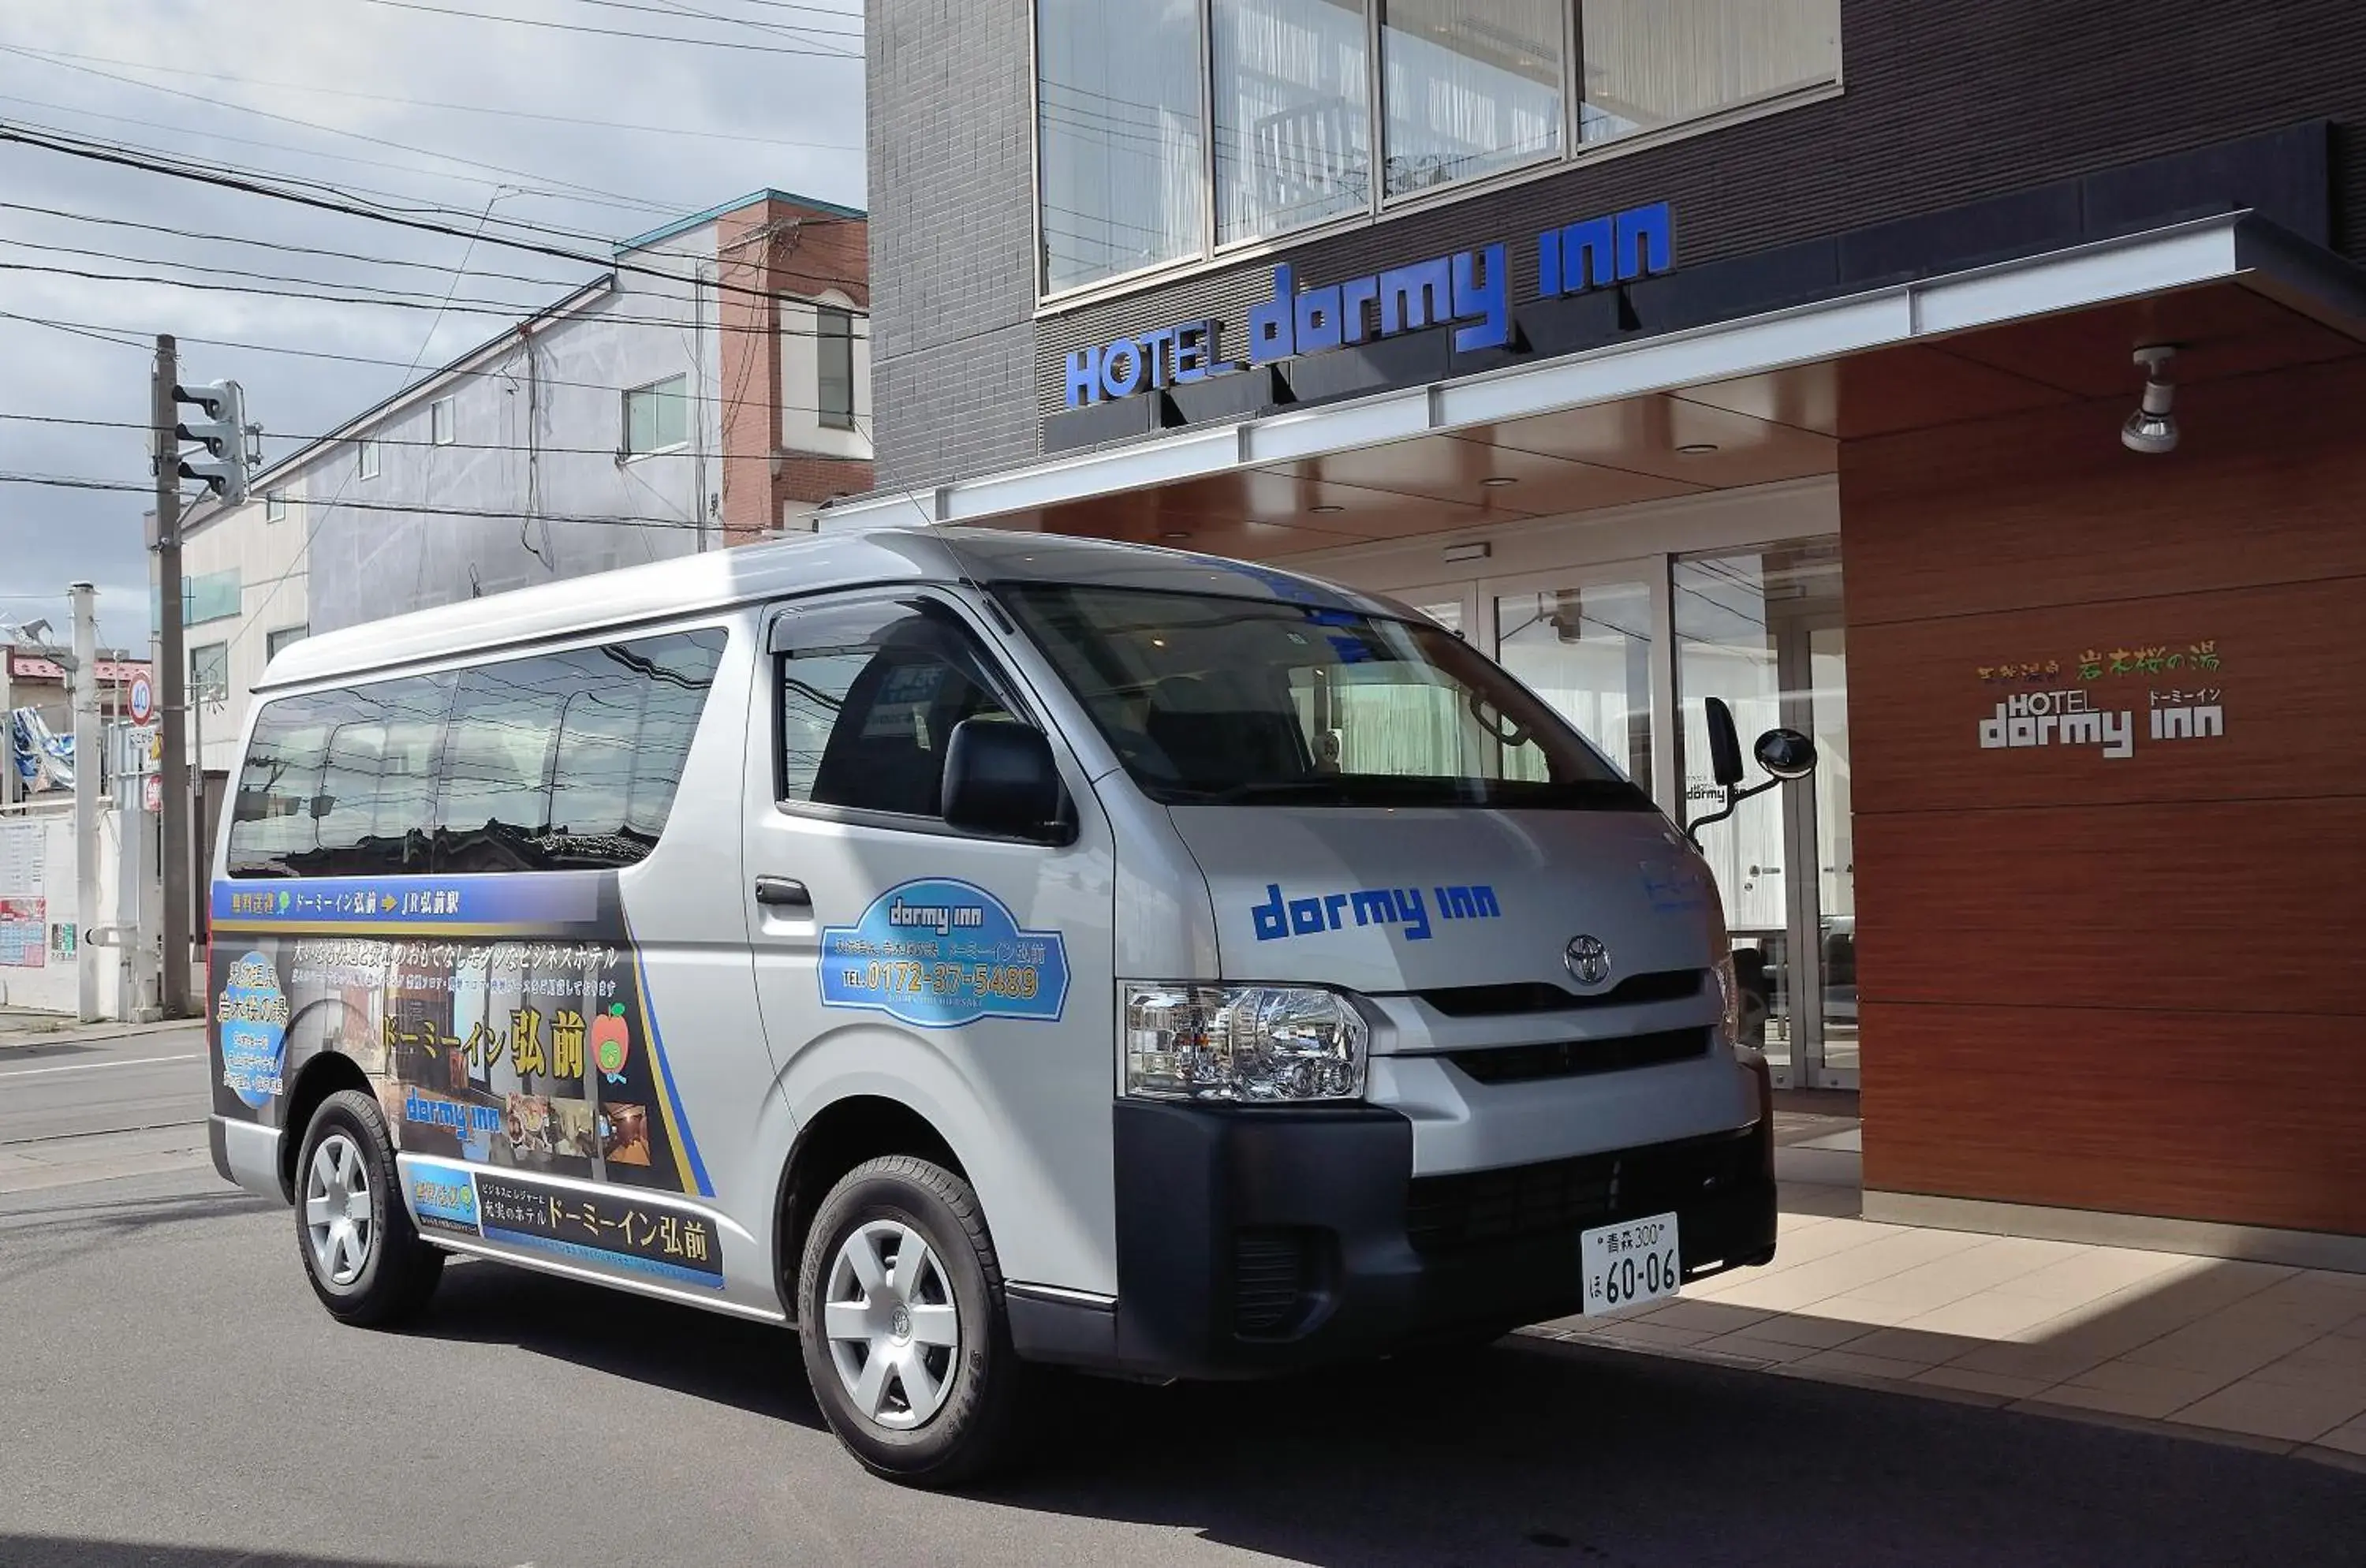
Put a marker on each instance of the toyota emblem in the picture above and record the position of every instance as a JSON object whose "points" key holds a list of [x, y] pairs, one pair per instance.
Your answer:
{"points": [[1588, 960]]}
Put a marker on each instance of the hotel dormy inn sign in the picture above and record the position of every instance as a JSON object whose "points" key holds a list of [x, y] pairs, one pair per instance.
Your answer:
{"points": [[1469, 290]]}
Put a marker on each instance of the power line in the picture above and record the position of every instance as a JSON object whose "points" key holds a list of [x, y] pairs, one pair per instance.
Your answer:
{"points": [[81, 146], [437, 267], [106, 334], [63, 482], [778, 29], [584, 191], [614, 32], [319, 91], [392, 301]]}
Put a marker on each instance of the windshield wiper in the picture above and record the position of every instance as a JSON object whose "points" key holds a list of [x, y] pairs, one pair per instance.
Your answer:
{"points": [[1269, 789]]}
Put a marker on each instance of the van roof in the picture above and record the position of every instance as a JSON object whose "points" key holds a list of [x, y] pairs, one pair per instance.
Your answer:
{"points": [[718, 578]]}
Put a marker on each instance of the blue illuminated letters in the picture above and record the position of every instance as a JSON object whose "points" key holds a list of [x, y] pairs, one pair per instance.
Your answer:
{"points": [[1469, 291]]}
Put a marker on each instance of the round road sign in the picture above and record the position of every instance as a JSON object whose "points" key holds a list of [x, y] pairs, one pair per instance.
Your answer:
{"points": [[143, 700]]}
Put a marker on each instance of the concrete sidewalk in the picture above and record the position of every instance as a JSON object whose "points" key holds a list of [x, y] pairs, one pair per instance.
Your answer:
{"points": [[2256, 1354], [22, 1027]]}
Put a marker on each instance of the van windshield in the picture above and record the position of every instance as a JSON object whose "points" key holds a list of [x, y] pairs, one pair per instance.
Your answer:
{"points": [[1218, 701]]}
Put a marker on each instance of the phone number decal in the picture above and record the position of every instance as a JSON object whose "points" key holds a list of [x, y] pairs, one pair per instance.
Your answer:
{"points": [[937, 954]]}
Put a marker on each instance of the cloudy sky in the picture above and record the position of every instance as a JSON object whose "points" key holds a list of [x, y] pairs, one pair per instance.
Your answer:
{"points": [[596, 138]]}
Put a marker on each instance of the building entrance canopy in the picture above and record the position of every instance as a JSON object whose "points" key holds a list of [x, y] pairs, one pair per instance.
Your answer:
{"points": [[1722, 407]]}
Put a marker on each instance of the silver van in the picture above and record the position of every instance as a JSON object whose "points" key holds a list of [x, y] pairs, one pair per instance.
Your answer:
{"points": [[975, 949]]}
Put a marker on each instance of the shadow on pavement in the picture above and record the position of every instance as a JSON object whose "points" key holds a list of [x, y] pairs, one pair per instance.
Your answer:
{"points": [[1517, 1455], [748, 1366], [1527, 1453], [78, 1552]]}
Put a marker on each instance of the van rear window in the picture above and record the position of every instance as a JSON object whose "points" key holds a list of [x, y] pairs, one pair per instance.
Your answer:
{"points": [[552, 762]]}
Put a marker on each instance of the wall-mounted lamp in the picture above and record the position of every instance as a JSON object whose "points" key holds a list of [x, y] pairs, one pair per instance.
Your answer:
{"points": [[2152, 429]]}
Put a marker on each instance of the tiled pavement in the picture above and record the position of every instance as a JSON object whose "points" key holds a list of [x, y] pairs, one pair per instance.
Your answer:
{"points": [[2254, 1353]]}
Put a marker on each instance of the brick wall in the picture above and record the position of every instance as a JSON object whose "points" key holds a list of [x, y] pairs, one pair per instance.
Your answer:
{"points": [[765, 249]]}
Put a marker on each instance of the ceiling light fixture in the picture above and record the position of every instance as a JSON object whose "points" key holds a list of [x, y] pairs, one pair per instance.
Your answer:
{"points": [[2152, 429], [1697, 448], [1498, 482], [1326, 508], [1176, 534]]}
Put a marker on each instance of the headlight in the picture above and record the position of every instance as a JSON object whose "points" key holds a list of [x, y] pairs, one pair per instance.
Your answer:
{"points": [[1256, 1044], [1728, 993]]}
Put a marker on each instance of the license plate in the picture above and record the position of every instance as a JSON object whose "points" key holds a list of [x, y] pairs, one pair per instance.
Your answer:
{"points": [[1636, 1261]]}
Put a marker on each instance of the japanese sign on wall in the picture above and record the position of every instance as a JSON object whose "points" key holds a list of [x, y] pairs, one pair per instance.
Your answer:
{"points": [[2110, 700]]}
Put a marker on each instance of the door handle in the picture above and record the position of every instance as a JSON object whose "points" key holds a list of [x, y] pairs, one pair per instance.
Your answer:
{"points": [[781, 893]]}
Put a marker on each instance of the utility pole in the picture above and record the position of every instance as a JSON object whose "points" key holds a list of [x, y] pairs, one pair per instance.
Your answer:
{"points": [[171, 686], [87, 766]]}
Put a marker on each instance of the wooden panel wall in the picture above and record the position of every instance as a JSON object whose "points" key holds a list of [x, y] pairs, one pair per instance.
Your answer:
{"points": [[2139, 983]]}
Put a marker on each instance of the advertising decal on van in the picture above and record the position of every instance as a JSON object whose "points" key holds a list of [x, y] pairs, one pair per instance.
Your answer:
{"points": [[502, 1021], [937, 954], [1280, 918], [600, 1228]]}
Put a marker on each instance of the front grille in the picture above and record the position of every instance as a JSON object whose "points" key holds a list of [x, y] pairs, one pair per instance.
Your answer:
{"points": [[1481, 1208], [1543, 996], [1572, 1058], [1269, 1279]]}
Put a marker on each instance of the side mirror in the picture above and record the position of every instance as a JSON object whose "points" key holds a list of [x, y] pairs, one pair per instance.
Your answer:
{"points": [[1724, 744], [1785, 754], [1000, 779]]}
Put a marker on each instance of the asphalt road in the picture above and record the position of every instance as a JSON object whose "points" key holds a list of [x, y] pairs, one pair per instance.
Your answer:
{"points": [[76, 1087], [170, 1394]]}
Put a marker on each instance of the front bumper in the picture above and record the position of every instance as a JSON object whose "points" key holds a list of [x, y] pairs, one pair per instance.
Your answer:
{"points": [[1259, 1241]]}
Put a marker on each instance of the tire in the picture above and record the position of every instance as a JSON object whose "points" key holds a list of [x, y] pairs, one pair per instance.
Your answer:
{"points": [[910, 1406], [346, 1201]]}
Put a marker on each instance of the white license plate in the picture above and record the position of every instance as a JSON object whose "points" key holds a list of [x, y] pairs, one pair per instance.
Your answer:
{"points": [[1636, 1261]]}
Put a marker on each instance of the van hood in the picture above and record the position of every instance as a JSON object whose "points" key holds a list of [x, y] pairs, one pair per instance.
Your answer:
{"points": [[1386, 901]]}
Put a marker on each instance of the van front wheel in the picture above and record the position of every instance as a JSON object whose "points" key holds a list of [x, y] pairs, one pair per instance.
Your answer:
{"points": [[900, 1313], [360, 1249]]}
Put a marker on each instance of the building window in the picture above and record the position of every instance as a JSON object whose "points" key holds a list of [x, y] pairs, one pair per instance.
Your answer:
{"points": [[211, 596], [274, 641], [365, 453], [1297, 108], [1294, 137], [440, 422], [1650, 64], [1118, 139], [210, 673], [657, 417], [1472, 88], [275, 506], [834, 346]]}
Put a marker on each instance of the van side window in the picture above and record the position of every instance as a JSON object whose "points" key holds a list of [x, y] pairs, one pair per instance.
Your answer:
{"points": [[554, 762], [869, 696]]}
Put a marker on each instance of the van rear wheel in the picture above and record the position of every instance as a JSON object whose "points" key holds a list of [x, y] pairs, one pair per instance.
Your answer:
{"points": [[352, 1229], [901, 1318]]}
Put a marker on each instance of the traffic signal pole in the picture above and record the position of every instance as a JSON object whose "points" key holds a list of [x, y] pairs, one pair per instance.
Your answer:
{"points": [[172, 671]]}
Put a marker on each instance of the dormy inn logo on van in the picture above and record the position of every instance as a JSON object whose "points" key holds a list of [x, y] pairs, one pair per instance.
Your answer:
{"points": [[1280, 916]]}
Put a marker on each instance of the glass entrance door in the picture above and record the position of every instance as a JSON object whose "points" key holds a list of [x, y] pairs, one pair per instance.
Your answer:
{"points": [[1585, 646], [1762, 629]]}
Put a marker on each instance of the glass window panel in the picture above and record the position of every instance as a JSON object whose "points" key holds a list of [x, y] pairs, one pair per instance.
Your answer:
{"points": [[870, 693], [273, 641], [1653, 62], [834, 352], [1734, 617], [1470, 87], [440, 421], [1293, 114], [210, 673], [497, 753], [657, 417], [1119, 136], [211, 596], [1587, 651]]}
